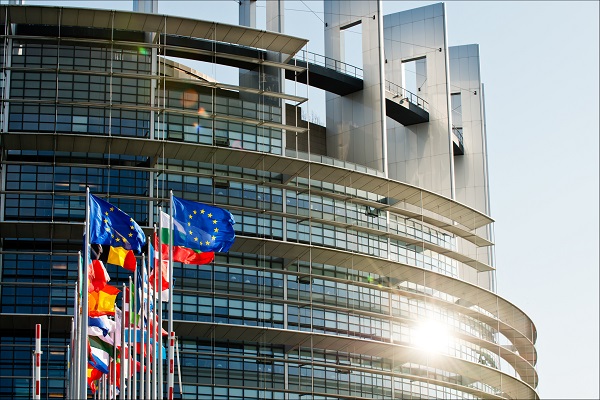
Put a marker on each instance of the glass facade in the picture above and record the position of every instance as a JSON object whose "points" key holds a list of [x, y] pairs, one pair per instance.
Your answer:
{"points": [[368, 278]]}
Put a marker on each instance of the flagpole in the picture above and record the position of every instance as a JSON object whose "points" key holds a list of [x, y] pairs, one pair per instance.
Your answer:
{"points": [[84, 302], [69, 382], [178, 366], [148, 330], [132, 337], [123, 347], [154, 318], [126, 324], [160, 305], [141, 330], [74, 386], [76, 345], [113, 370], [171, 289], [38, 361]]}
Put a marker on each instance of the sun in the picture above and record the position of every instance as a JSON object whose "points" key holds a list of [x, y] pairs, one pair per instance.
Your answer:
{"points": [[431, 336]]}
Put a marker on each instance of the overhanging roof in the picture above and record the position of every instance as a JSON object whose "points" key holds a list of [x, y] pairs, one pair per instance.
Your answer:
{"points": [[171, 25]]}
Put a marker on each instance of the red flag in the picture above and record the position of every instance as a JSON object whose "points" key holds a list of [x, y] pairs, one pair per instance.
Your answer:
{"points": [[97, 275], [92, 376]]}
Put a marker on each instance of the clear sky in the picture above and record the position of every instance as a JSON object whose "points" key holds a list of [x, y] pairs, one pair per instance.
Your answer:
{"points": [[539, 65]]}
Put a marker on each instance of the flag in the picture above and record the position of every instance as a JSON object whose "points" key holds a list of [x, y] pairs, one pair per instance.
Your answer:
{"points": [[164, 269], [142, 289], [100, 354], [103, 301], [92, 376], [202, 227], [97, 275], [141, 336], [111, 226], [116, 332], [119, 256], [181, 254], [100, 326]]}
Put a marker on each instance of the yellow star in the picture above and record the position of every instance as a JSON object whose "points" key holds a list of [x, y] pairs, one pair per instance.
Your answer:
{"points": [[124, 240], [112, 209], [191, 232], [209, 215], [195, 239], [105, 221], [191, 216], [106, 212], [216, 229], [195, 212], [207, 242], [130, 219], [107, 229], [214, 221], [130, 234], [132, 227], [214, 238], [189, 224], [201, 211], [117, 240]]}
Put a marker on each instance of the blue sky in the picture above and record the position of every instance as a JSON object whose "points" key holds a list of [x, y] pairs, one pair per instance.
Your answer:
{"points": [[539, 64]]}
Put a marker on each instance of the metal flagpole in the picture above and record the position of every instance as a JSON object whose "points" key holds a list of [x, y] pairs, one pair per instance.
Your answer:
{"points": [[160, 305], [178, 366], [38, 360], [123, 345], [73, 388], [154, 321], [84, 303], [141, 330], [76, 351], [69, 382], [148, 330], [133, 336], [128, 355], [113, 368], [69, 365], [171, 284]]}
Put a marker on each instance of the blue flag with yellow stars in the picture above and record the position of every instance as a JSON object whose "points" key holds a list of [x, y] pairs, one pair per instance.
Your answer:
{"points": [[202, 227], [109, 225]]}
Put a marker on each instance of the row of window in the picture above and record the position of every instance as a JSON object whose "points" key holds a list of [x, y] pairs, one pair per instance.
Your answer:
{"points": [[77, 57]]}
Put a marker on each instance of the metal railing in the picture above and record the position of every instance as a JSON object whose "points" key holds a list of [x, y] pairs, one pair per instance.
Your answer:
{"points": [[330, 63], [458, 131], [399, 92], [402, 94]]}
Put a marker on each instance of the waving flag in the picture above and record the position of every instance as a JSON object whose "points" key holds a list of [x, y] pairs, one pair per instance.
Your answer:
{"points": [[100, 354], [202, 227], [111, 226], [92, 376], [103, 301], [97, 276], [100, 326], [180, 253]]}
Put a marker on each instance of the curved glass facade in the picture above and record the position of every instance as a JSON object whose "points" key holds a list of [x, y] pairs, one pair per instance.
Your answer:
{"points": [[331, 291]]}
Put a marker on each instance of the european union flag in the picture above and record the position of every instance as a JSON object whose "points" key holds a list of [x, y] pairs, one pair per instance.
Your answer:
{"points": [[202, 227], [111, 226]]}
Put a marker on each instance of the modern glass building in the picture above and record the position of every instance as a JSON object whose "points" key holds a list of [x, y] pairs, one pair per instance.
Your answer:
{"points": [[363, 265]]}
